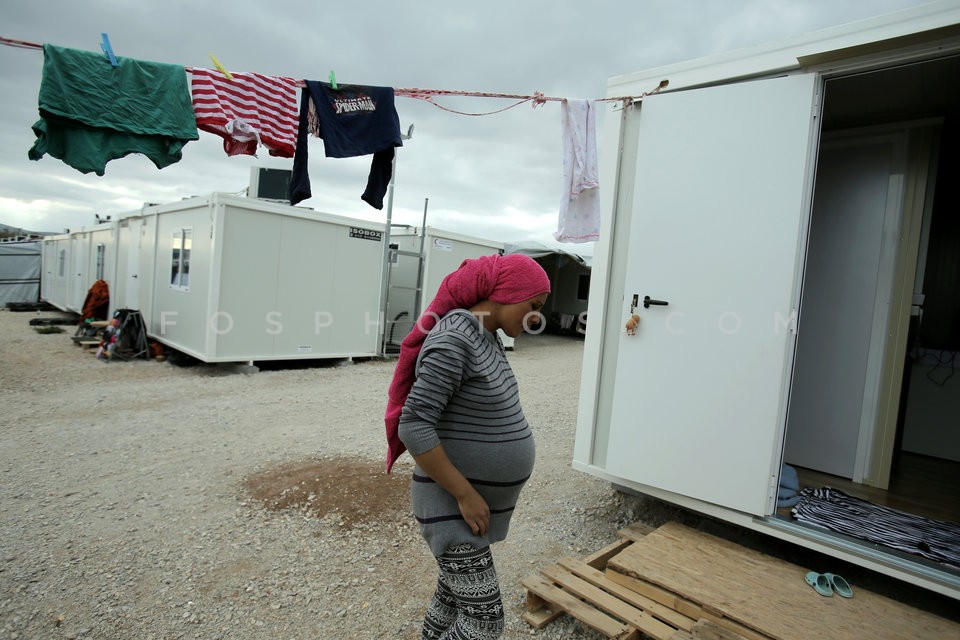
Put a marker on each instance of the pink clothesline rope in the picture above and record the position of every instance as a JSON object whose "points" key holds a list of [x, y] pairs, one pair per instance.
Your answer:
{"points": [[538, 99], [427, 95], [10, 42]]}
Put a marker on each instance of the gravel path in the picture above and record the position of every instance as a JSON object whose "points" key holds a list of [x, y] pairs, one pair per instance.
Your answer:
{"points": [[141, 500], [129, 504]]}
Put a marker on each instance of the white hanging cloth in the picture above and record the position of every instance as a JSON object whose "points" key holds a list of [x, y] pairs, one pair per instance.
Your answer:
{"points": [[579, 219]]}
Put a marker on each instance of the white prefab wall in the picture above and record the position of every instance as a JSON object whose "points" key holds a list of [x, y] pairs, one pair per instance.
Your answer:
{"points": [[291, 287], [72, 262], [261, 281]]}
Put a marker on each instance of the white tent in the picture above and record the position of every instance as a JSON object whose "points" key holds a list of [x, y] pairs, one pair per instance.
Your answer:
{"points": [[569, 272]]}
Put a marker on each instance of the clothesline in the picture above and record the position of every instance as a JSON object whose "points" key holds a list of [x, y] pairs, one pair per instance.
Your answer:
{"points": [[10, 42], [427, 95], [252, 110]]}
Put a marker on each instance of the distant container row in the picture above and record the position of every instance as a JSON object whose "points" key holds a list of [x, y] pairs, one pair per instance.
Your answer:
{"points": [[230, 279]]}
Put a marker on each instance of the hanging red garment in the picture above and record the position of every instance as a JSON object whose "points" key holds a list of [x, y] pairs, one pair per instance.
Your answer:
{"points": [[97, 303]]}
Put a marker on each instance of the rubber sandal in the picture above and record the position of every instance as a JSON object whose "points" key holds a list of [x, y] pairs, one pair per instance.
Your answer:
{"points": [[819, 582], [841, 586]]}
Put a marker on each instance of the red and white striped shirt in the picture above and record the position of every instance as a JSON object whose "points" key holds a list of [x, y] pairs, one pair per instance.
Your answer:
{"points": [[248, 110]]}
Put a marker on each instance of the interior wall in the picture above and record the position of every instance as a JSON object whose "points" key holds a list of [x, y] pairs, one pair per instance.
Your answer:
{"points": [[844, 261]]}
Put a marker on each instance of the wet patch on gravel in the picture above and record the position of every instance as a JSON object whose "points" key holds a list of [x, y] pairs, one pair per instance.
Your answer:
{"points": [[355, 491]]}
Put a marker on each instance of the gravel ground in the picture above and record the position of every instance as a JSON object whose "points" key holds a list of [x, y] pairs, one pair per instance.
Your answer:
{"points": [[142, 500], [151, 501]]}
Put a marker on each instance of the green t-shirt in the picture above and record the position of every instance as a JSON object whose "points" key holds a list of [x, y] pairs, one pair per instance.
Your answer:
{"points": [[92, 112]]}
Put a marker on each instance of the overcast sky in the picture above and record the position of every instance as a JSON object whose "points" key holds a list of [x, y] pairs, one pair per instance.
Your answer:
{"points": [[495, 177]]}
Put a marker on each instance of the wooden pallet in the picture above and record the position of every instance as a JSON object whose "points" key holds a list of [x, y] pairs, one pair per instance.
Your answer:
{"points": [[760, 595], [619, 608], [678, 583]]}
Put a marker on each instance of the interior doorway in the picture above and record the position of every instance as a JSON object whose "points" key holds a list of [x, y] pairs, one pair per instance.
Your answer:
{"points": [[874, 414]]}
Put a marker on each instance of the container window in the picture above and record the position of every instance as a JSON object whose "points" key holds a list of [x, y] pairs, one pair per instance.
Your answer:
{"points": [[180, 259], [101, 259]]}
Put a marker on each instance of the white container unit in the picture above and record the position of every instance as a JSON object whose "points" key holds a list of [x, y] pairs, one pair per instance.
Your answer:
{"points": [[805, 167], [91, 258], [72, 262], [443, 252], [231, 279]]}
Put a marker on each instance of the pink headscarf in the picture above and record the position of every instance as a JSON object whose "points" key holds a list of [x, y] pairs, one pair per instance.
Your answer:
{"points": [[503, 279]]}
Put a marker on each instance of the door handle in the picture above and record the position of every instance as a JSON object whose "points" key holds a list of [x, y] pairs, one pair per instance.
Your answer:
{"points": [[647, 301]]}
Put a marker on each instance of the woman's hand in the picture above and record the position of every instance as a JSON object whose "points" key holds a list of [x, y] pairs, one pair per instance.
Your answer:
{"points": [[475, 512], [473, 507]]}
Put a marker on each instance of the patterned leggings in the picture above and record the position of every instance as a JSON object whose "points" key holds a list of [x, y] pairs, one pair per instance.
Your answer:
{"points": [[467, 603]]}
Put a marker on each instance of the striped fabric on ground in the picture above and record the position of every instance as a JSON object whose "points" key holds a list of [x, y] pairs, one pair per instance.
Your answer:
{"points": [[834, 510], [249, 110]]}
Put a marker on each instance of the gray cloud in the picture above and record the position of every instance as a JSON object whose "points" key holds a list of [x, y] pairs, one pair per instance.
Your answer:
{"points": [[494, 176]]}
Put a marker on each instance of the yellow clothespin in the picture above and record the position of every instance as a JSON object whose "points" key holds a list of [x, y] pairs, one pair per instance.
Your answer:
{"points": [[220, 68]]}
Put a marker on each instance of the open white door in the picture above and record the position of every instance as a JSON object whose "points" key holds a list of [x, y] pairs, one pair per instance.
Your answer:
{"points": [[721, 203]]}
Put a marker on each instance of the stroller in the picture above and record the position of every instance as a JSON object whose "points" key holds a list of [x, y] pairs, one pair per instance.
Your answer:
{"points": [[126, 337]]}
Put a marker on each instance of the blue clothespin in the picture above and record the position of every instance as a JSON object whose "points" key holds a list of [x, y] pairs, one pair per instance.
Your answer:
{"points": [[333, 80], [108, 50]]}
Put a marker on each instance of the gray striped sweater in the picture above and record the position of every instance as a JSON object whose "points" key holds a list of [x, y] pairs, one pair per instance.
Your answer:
{"points": [[465, 398]]}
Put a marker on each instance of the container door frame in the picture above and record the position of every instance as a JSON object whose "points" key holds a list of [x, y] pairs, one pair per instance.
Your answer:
{"points": [[78, 285], [907, 150]]}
